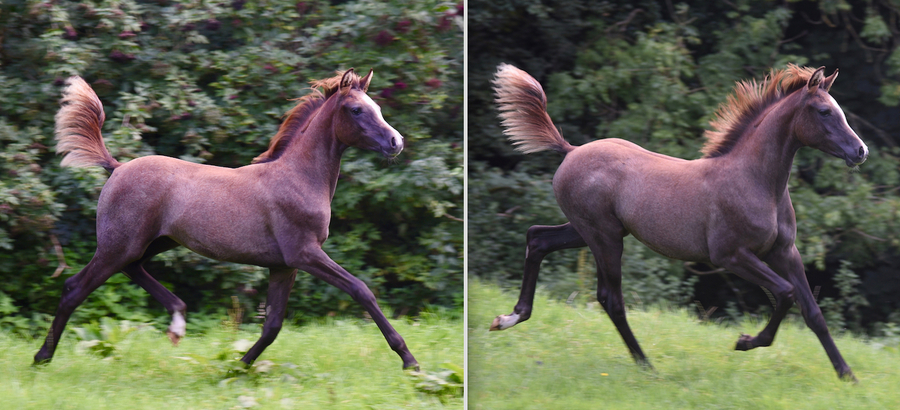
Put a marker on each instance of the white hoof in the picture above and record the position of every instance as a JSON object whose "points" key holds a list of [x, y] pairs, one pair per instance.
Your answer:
{"points": [[504, 321], [177, 329]]}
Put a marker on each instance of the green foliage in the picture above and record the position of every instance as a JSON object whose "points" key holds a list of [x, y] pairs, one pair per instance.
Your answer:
{"points": [[208, 82], [445, 384], [654, 74], [103, 339]]}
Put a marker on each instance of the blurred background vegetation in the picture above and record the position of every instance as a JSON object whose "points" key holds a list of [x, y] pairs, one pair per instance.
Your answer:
{"points": [[208, 82], [654, 72]]}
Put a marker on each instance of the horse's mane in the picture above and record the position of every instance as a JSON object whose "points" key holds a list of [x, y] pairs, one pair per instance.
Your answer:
{"points": [[296, 119], [746, 103]]}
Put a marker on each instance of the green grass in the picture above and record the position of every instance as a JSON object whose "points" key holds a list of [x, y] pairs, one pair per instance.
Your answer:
{"points": [[335, 365], [572, 358]]}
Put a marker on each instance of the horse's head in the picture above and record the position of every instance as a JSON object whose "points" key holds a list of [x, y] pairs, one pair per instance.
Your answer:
{"points": [[358, 121], [821, 124]]}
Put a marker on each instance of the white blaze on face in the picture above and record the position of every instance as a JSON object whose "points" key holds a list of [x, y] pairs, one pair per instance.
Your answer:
{"points": [[377, 110], [836, 110]]}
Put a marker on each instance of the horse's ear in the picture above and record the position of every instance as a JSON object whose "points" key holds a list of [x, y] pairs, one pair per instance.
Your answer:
{"points": [[812, 85], [364, 82], [346, 81], [828, 81]]}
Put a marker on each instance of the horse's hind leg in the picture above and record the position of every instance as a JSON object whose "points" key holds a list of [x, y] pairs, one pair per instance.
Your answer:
{"points": [[542, 240], [607, 250], [75, 290], [175, 306], [280, 283], [317, 263]]}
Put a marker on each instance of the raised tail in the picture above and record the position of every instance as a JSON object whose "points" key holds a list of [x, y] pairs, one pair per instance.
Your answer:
{"points": [[78, 125], [523, 108]]}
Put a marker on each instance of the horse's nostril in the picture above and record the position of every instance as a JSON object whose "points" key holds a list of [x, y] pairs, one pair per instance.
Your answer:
{"points": [[393, 142], [862, 152]]}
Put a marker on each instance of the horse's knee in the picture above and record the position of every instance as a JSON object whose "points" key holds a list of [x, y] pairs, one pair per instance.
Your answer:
{"points": [[360, 292], [786, 293]]}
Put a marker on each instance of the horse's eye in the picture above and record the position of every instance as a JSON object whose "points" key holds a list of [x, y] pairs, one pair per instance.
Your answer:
{"points": [[356, 110], [825, 112]]}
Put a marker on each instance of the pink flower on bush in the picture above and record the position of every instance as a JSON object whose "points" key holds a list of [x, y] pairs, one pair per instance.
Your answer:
{"points": [[403, 26], [384, 38]]}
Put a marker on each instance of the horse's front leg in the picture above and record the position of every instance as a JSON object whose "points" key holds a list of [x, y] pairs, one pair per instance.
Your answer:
{"points": [[317, 263], [280, 282], [782, 261], [541, 241], [812, 314], [746, 265]]}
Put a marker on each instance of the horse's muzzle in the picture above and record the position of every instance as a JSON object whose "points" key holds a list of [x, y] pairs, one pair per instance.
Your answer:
{"points": [[858, 157], [394, 147]]}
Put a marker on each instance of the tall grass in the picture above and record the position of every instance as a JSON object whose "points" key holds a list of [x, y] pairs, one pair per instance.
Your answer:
{"points": [[336, 364], [573, 358]]}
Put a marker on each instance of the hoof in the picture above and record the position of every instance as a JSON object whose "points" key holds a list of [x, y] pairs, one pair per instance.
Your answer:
{"points": [[173, 337], [744, 343], [848, 376], [414, 366], [504, 322]]}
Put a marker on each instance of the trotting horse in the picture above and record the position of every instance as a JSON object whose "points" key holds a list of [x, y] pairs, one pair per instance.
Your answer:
{"points": [[273, 213], [730, 208]]}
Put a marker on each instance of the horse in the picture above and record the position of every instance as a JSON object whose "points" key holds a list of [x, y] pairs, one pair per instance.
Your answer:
{"points": [[730, 208], [273, 213]]}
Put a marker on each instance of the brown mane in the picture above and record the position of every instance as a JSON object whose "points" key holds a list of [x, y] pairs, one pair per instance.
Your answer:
{"points": [[296, 118], [746, 103]]}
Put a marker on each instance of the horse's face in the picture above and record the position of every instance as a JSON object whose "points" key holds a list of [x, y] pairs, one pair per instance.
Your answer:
{"points": [[821, 123], [358, 121]]}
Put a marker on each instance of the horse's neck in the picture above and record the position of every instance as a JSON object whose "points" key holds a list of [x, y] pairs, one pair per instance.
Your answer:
{"points": [[314, 156], [767, 151]]}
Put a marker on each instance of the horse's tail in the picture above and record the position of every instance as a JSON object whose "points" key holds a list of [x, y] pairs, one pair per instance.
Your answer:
{"points": [[78, 125], [523, 108]]}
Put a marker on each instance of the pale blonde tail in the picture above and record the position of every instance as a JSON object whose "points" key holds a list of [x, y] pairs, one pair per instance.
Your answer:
{"points": [[523, 108], [78, 125]]}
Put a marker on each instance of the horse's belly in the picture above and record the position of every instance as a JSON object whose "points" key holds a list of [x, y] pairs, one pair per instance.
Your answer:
{"points": [[248, 253], [675, 246]]}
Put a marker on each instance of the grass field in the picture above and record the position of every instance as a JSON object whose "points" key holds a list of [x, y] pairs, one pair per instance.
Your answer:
{"points": [[573, 358], [338, 364]]}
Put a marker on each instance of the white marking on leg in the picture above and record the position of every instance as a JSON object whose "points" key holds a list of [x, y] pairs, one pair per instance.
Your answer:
{"points": [[505, 321], [178, 326]]}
